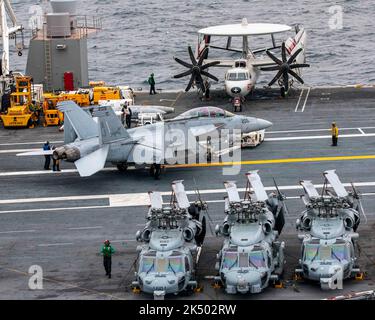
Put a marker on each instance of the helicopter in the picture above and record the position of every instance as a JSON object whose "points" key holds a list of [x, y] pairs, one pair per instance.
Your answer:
{"points": [[251, 257], [328, 228], [172, 242]]}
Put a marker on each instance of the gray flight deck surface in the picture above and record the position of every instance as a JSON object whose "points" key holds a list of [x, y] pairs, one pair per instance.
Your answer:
{"points": [[59, 220]]}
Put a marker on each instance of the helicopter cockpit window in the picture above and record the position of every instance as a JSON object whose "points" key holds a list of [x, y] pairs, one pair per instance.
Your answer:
{"points": [[230, 260], [333, 252], [148, 264], [175, 265], [256, 259], [171, 264]]}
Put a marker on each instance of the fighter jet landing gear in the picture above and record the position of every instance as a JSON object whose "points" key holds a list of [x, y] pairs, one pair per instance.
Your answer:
{"points": [[155, 171]]}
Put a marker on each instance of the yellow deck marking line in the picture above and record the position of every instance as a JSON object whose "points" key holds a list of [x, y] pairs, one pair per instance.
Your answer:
{"points": [[178, 97], [66, 284], [272, 161]]}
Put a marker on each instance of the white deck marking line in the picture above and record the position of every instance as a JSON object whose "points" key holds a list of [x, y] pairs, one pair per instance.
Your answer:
{"points": [[315, 130], [17, 231], [85, 228], [143, 200], [28, 143], [4, 174], [307, 96], [18, 150], [55, 244], [318, 137], [361, 131], [45, 172], [299, 100]]}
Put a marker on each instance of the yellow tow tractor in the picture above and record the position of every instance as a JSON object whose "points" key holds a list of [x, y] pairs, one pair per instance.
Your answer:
{"points": [[52, 116], [22, 112], [106, 93]]}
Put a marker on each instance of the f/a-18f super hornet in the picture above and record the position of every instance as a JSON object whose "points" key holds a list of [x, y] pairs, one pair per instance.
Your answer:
{"points": [[329, 226], [172, 241], [90, 143], [251, 257]]}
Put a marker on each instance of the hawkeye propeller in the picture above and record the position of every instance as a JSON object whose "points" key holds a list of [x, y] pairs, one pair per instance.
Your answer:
{"points": [[196, 70], [285, 67]]}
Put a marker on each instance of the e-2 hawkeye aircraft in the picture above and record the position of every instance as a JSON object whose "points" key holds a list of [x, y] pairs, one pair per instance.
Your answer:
{"points": [[90, 143], [243, 72]]}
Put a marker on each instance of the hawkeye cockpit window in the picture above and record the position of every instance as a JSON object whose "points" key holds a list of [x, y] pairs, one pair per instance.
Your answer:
{"points": [[238, 76]]}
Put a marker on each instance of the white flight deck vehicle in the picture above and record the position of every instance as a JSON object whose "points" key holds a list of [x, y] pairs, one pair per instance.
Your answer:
{"points": [[243, 72]]}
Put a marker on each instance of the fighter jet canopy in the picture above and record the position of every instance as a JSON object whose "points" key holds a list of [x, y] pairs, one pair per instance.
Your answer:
{"points": [[205, 112]]}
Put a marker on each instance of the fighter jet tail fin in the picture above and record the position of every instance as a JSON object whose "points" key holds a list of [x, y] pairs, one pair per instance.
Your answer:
{"points": [[110, 126], [77, 123]]}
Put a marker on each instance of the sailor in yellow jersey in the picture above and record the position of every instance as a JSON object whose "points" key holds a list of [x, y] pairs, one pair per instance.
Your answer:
{"points": [[335, 134]]}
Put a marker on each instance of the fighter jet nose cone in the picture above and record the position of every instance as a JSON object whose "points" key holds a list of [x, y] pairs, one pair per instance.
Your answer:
{"points": [[264, 124]]}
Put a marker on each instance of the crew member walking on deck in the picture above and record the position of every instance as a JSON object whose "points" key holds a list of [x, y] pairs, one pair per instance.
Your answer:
{"points": [[47, 162], [151, 82], [128, 117], [107, 250], [335, 134]]}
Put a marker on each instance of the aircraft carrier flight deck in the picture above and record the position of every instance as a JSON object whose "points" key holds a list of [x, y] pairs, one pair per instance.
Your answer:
{"points": [[59, 220]]}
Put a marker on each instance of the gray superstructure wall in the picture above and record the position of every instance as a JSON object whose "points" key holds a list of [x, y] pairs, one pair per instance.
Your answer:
{"points": [[67, 55]]}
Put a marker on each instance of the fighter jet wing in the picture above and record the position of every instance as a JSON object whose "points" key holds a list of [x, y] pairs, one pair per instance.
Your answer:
{"points": [[204, 129]]}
